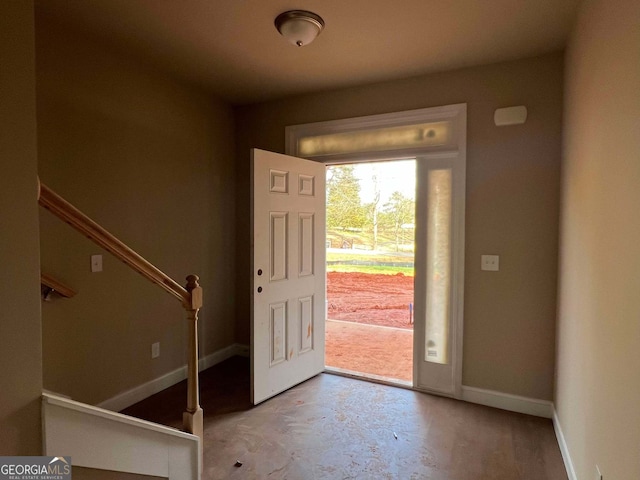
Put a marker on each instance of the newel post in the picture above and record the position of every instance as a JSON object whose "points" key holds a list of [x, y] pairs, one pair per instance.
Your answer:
{"points": [[193, 416]]}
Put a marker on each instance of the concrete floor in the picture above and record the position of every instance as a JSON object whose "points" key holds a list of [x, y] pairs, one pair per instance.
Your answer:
{"points": [[337, 428], [384, 352]]}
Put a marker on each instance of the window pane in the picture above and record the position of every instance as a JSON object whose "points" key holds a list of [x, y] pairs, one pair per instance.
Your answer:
{"points": [[381, 139], [438, 267]]}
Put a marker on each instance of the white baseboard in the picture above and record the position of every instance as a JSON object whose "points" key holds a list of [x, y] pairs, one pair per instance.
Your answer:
{"points": [[139, 393], [506, 401], [564, 449], [216, 357], [242, 350]]}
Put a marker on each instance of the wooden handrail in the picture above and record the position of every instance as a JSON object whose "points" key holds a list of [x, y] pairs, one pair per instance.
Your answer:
{"points": [[65, 211], [56, 286], [191, 296]]}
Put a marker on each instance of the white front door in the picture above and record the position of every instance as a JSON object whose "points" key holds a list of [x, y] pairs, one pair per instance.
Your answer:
{"points": [[288, 311]]}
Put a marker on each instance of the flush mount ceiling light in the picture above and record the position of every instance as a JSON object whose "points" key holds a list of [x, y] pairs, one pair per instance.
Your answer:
{"points": [[299, 27]]}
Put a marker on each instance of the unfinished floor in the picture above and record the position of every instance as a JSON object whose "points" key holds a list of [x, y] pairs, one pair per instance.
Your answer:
{"points": [[335, 427]]}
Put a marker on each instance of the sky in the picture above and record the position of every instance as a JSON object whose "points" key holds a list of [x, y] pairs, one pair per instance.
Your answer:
{"points": [[392, 176]]}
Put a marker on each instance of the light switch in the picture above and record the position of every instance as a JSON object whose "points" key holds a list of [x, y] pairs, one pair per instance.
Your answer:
{"points": [[490, 263], [96, 263]]}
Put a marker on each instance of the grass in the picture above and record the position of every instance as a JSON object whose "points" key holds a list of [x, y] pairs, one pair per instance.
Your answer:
{"points": [[386, 239], [384, 269], [408, 271], [390, 257], [334, 256]]}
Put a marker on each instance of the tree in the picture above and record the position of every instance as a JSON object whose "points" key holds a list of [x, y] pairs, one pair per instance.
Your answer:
{"points": [[343, 199], [374, 207], [399, 210]]}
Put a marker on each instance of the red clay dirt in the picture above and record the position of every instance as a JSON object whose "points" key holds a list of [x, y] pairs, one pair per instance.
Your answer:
{"points": [[370, 299], [375, 299]]}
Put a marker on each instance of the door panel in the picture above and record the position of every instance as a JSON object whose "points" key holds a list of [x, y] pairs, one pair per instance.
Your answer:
{"points": [[287, 324], [278, 251], [306, 237], [307, 327]]}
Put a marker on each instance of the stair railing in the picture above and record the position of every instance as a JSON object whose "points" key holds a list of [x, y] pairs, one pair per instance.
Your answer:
{"points": [[190, 296]]}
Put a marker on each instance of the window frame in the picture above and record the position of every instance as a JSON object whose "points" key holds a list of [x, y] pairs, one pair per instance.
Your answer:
{"points": [[444, 381]]}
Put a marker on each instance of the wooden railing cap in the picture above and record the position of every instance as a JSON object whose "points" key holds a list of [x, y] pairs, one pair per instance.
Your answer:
{"points": [[192, 282], [195, 292]]}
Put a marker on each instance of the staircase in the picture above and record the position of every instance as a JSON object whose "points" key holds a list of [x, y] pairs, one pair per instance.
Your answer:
{"points": [[105, 440], [101, 439]]}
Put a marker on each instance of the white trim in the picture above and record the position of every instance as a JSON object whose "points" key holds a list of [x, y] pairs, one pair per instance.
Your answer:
{"points": [[242, 350], [217, 357], [97, 438], [59, 401], [369, 377], [445, 379], [506, 401], [408, 117], [564, 449], [136, 394], [457, 255], [55, 394]]}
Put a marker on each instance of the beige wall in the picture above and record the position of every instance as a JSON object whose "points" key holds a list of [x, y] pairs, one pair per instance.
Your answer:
{"points": [[512, 205], [151, 159], [20, 344], [598, 366]]}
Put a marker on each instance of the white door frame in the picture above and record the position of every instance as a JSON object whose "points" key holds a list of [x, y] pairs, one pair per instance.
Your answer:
{"points": [[444, 381], [451, 152]]}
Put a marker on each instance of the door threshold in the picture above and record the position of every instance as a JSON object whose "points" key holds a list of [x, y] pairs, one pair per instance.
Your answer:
{"points": [[369, 377]]}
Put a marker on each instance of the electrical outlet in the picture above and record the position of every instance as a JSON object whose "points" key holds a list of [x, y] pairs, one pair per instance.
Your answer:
{"points": [[96, 263], [598, 474], [155, 350], [490, 263]]}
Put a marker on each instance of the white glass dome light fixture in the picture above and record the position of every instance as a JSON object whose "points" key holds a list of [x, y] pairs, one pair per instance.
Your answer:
{"points": [[299, 27]]}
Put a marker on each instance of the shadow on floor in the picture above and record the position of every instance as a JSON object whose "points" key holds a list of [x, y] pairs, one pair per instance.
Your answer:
{"points": [[332, 427], [224, 388]]}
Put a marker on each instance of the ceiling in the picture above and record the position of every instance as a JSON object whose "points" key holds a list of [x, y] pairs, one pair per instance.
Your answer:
{"points": [[233, 48]]}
